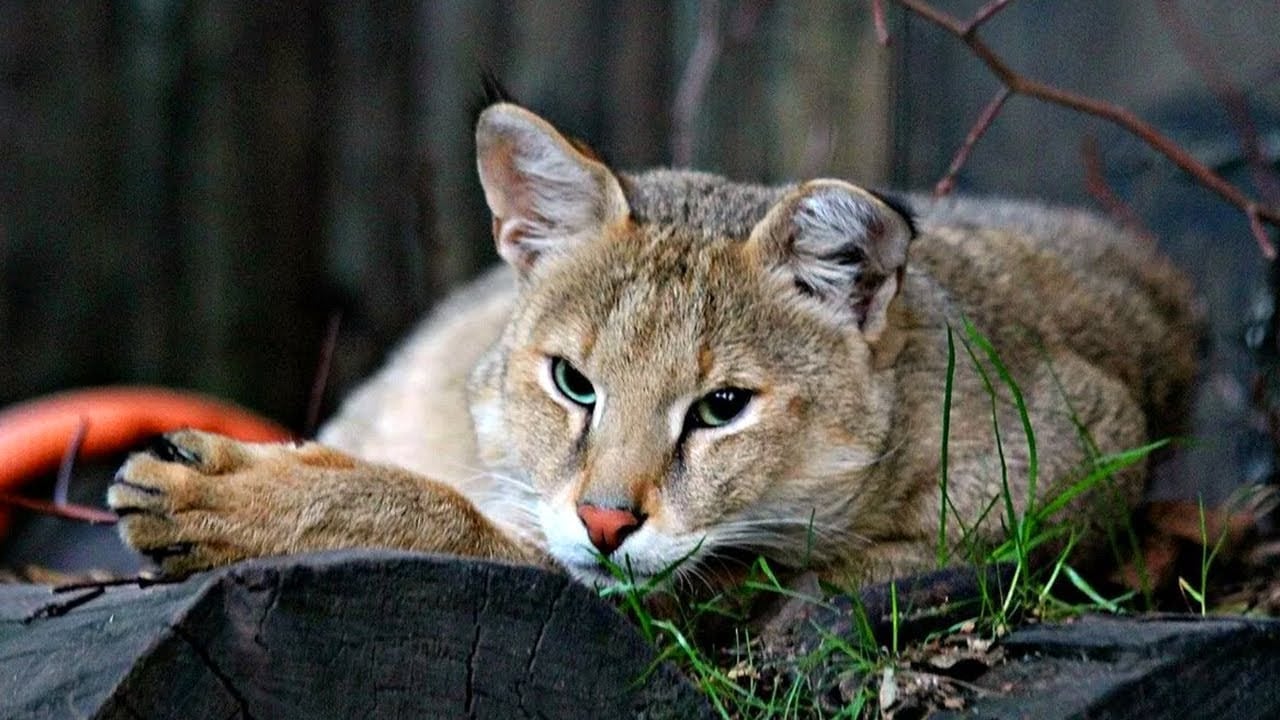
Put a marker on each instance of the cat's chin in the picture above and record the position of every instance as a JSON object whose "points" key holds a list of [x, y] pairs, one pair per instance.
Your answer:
{"points": [[598, 577]]}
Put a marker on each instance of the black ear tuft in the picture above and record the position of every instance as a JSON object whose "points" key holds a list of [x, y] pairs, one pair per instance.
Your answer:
{"points": [[898, 204], [492, 93]]}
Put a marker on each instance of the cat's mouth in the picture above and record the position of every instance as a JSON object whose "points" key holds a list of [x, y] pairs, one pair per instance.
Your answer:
{"points": [[694, 572], [643, 571], [600, 577], [622, 569]]}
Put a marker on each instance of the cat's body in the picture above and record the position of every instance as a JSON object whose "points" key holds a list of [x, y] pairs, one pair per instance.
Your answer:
{"points": [[676, 367]]}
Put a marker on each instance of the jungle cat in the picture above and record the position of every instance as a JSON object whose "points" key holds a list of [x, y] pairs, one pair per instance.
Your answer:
{"points": [[675, 369]]}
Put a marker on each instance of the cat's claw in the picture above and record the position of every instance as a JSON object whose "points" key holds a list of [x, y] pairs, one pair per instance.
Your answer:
{"points": [[182, 503]]}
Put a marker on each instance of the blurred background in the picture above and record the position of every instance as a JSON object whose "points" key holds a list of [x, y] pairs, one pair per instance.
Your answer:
{"points": [[192, 192]]}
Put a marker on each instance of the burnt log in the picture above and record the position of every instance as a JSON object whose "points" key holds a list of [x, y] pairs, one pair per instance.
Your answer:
{"points": [[385, 634], [1096, 666], [348, 634], [1162, 666]]}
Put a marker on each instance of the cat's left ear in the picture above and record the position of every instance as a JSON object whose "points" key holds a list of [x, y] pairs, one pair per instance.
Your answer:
{"points": [[840, 244]]}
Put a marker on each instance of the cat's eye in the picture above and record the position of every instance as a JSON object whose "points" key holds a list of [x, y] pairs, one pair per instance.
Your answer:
{"points": [[718, 407], [572, 384]]}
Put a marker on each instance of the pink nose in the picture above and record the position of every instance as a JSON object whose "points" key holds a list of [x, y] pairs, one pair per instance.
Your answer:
{"points": [[608, 527]]}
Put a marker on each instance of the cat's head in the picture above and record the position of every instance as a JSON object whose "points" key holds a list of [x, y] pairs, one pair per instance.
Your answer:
{"points": [[671, 391]]}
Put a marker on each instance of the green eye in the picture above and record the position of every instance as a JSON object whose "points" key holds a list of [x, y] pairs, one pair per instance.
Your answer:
{"points": [[572, 384], [719, 407]]}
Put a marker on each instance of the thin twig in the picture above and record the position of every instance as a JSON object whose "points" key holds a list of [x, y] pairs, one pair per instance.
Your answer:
{"points": [[321, 380], [1095, 183], [141, 581], [745, 19], [882, 28], [1260, 232], [985, 13], [696, 77], [1021, 85], [1200, 56], [988, 116], [62, 484], [693, 83], [68, 511], [62, 607]]}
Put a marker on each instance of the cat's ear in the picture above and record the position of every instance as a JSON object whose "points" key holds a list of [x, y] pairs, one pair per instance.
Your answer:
{"points": [[841, 244], [545, 194]]}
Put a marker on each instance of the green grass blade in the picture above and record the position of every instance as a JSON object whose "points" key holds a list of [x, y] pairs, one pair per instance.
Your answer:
{"points": [[894, 617], [1033, 462], [1083, 586], [944, 549], [1006, 494], [1104, 467]]}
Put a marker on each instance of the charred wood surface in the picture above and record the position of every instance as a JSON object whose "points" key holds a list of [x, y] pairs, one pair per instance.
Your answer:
{"points": [[351, 634], [382, 634], [1150, 667]]}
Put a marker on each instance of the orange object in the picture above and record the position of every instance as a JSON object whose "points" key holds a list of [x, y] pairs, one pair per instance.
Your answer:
{"points": [[35, 435]]}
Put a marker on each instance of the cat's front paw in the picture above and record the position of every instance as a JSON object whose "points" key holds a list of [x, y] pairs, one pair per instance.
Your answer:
{"points": [[194, 500]]}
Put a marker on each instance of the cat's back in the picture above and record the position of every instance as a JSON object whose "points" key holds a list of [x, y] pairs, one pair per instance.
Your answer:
{"points": [[1035, 278]]}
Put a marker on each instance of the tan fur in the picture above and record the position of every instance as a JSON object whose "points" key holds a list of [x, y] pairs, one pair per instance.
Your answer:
{"points": [[663, 286]]}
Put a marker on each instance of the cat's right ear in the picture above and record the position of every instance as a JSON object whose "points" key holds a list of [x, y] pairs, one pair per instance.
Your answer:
{"points": [[545, 195], [841, 244]]}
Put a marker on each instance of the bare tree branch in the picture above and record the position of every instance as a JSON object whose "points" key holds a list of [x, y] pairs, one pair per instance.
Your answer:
{"points": [[1018, 84], [882, 28], [1200, 56], [988, 116], [985, 13], [315, 400], [1095, 183], [693, 83], [697, 71], [1260, 232], [745, 19]]}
